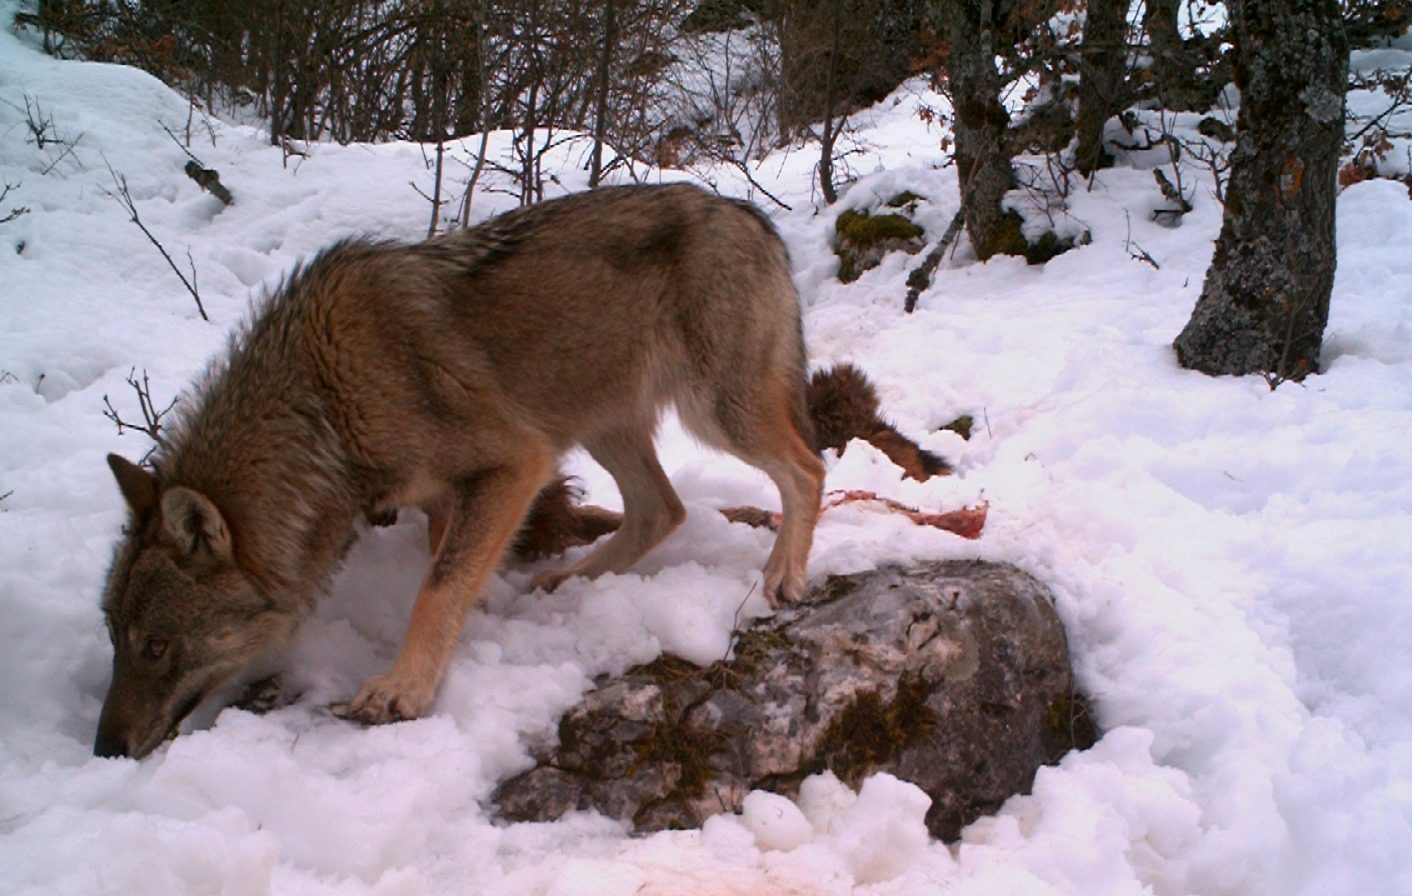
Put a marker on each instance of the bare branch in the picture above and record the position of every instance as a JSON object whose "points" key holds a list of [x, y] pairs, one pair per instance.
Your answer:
{"points": [[151, 424], [15, 212], [124, 198]]}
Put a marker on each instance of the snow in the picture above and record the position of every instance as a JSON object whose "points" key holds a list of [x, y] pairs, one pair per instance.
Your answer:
{"points": [[1231, 562]]}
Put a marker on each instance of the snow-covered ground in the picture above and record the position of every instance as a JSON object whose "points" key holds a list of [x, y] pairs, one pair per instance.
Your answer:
{"points": [[1232, 562]]}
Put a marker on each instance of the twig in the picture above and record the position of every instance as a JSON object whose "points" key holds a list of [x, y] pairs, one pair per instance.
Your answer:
{"points": [[67, 153], [44, 132], [1141, 254], [484, 120], [1282, 373], [1397, 88], [124, 198], [41, 127], [180, 145], [15, 212], [151, 424], [745, 170], [735, 621]]}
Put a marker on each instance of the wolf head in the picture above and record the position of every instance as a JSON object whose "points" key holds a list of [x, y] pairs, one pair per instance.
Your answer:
{"points": [[182, 615]]}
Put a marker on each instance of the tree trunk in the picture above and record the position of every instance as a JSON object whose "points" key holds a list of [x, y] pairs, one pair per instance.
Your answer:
{"points": [[1102, 91], [469, 119], [1265, 302], [600, 112], [982, 154], [1175, 60], [826, 144]]}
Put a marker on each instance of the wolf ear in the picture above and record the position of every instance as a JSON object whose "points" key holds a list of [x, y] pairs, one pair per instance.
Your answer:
{"points": [[138, 486], [194, 523]]}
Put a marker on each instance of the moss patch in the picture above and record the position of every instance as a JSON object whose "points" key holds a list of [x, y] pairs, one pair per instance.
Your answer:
{"points": [[684, 756], [670, 743], [1069, 725], [870, 733], [666, 669], [906, 200], [1007, 238], [863, 229], [1050, 245], [862, 239], [754, 647], [962, 426]]}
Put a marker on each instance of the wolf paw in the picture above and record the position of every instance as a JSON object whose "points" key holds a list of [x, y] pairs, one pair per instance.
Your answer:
{"points": [[265, 695], [782, 590], [550, 579], [382, 701]]}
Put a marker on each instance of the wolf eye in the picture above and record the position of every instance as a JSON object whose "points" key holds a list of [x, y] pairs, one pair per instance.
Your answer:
{"points": [[154, 648]]}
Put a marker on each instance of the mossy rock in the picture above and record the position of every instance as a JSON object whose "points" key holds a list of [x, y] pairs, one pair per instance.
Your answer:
{"points": [[1216, 129], [954, 676], [1008, 238], [962, 426], [907, 201], [861, 240]]}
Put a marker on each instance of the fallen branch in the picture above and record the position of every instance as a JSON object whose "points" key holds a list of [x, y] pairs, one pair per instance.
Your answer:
{"points": [[209, 180], [1141, 253], [921, 278]]}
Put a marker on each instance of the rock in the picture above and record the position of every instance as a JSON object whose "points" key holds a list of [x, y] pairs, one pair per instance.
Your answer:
{"points": [[861, 240], [954, 676]]}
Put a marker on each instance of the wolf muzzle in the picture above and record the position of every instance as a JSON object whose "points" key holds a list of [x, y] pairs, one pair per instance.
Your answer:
{"points": [[134, 721]]}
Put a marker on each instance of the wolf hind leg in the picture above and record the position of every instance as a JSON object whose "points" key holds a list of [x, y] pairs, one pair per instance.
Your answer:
{"points": [[767, 428], [651, 508]]}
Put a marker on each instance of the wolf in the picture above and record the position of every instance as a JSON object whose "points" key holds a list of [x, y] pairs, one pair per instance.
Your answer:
{"points": [[450, 375]]}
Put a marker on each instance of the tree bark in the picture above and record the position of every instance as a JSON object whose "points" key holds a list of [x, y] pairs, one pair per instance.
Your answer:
{"points": [[983, 156], [1102, 91], [1265, 302]]}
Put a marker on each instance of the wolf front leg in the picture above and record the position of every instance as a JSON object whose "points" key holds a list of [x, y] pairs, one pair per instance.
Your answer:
{"points": [[485, 510]]}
